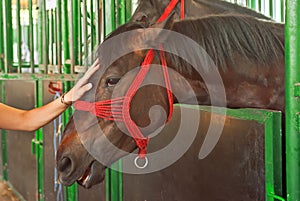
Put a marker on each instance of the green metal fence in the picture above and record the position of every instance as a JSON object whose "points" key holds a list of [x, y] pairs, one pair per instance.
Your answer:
{"points": [[292, 46], [59, 37], [47, 40]]}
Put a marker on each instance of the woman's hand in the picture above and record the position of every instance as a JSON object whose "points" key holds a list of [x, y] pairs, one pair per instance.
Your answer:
{"points": [[81, 86]]}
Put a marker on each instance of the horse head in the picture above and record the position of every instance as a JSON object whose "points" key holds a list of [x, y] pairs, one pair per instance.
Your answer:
{"points": [[148, 109]]}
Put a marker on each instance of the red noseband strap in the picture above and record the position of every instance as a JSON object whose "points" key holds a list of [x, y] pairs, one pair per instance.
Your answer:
{"points": [[118, 109]]}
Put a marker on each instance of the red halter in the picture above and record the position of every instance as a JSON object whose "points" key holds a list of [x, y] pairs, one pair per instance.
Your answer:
{"points": [[118, 109]]}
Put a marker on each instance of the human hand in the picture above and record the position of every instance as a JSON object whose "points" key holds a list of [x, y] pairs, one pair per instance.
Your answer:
{"points": [[81, 86]]}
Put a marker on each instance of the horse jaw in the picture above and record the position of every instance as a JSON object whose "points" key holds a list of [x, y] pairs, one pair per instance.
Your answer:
{"points": [[80, 149], [74, 163]]}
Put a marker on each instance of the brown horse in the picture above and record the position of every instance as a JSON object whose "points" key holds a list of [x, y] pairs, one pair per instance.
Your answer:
{"points": [[249, 58], [148, 11]]}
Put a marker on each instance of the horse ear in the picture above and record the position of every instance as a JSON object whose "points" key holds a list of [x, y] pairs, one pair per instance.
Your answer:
{"points": [[158, 35], [151, 37]]}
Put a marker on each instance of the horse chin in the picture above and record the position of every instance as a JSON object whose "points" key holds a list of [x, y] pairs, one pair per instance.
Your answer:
{"points": [[94, 174]]}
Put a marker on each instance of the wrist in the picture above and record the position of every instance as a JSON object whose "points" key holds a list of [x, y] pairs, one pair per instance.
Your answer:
{"points": [[65, 100]]}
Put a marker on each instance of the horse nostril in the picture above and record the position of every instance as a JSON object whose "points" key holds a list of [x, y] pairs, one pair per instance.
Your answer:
{"points": [[65, 165]]}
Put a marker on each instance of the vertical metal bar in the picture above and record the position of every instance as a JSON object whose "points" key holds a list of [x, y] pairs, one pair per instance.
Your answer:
{"points": [[40, 34], [65, 32], [128, 8], [253, 4], [292, 110], [45, 37], [104, 21], [74, 34], [259, 5], [71, 193], [53, 37], [121, 13], [19, 35], [50, 39], [31, 38], [113, 15], [85, 34], [115, 184], [39, 146], [92, 30], [282, 8], [3, 138], [79, 32], [58, 36], [8, 49], [98, 21], [271, 9], [1, 38]]}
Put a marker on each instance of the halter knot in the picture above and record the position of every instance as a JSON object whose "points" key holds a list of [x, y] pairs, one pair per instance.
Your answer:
{"points": [[85, 106]]}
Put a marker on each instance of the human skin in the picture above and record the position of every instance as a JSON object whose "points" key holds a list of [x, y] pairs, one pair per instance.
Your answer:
{"points": [[29, 120]]}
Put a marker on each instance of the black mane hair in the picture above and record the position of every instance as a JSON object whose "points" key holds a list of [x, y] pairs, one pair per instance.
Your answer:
{"points": [[231, 8], [223, 37]]}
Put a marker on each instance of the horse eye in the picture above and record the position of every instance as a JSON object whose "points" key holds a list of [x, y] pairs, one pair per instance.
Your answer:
{"points": [[110, 82]]}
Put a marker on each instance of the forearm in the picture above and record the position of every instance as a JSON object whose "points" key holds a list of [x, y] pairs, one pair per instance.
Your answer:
{"points": [[38, 117], [28, 120]]}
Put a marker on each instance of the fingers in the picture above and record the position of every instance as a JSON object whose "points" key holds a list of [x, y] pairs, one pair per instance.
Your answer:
{"points": [[89, 73], [92, 69], [82, 90]]}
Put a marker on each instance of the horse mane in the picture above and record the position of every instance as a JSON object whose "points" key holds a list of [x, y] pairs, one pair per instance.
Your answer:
{"points": [[223, 37], [231, 8], [220, 6]]}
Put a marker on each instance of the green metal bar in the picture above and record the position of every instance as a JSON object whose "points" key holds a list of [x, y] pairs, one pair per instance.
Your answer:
{"points": [[253, 4], [51, 35], [85, 34], [4, 155], [273, 154], [113, 15], [92, 29], [8, 35], [75, 38], [259, 6], [104, 19], [44, 36], [271, 8], [116, 188], [1, 38], [292, 75], [79, 32], [31, 39], [19, 35], [99, 10], [121, 12], [40, 33], [65, 32], [59, 35], [282, 8], [128, 8], [3, 138], [71, 193], [39, 145]]}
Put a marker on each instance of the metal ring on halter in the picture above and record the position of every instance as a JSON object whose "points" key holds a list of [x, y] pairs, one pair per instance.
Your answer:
{"points": [[139, 166]]}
